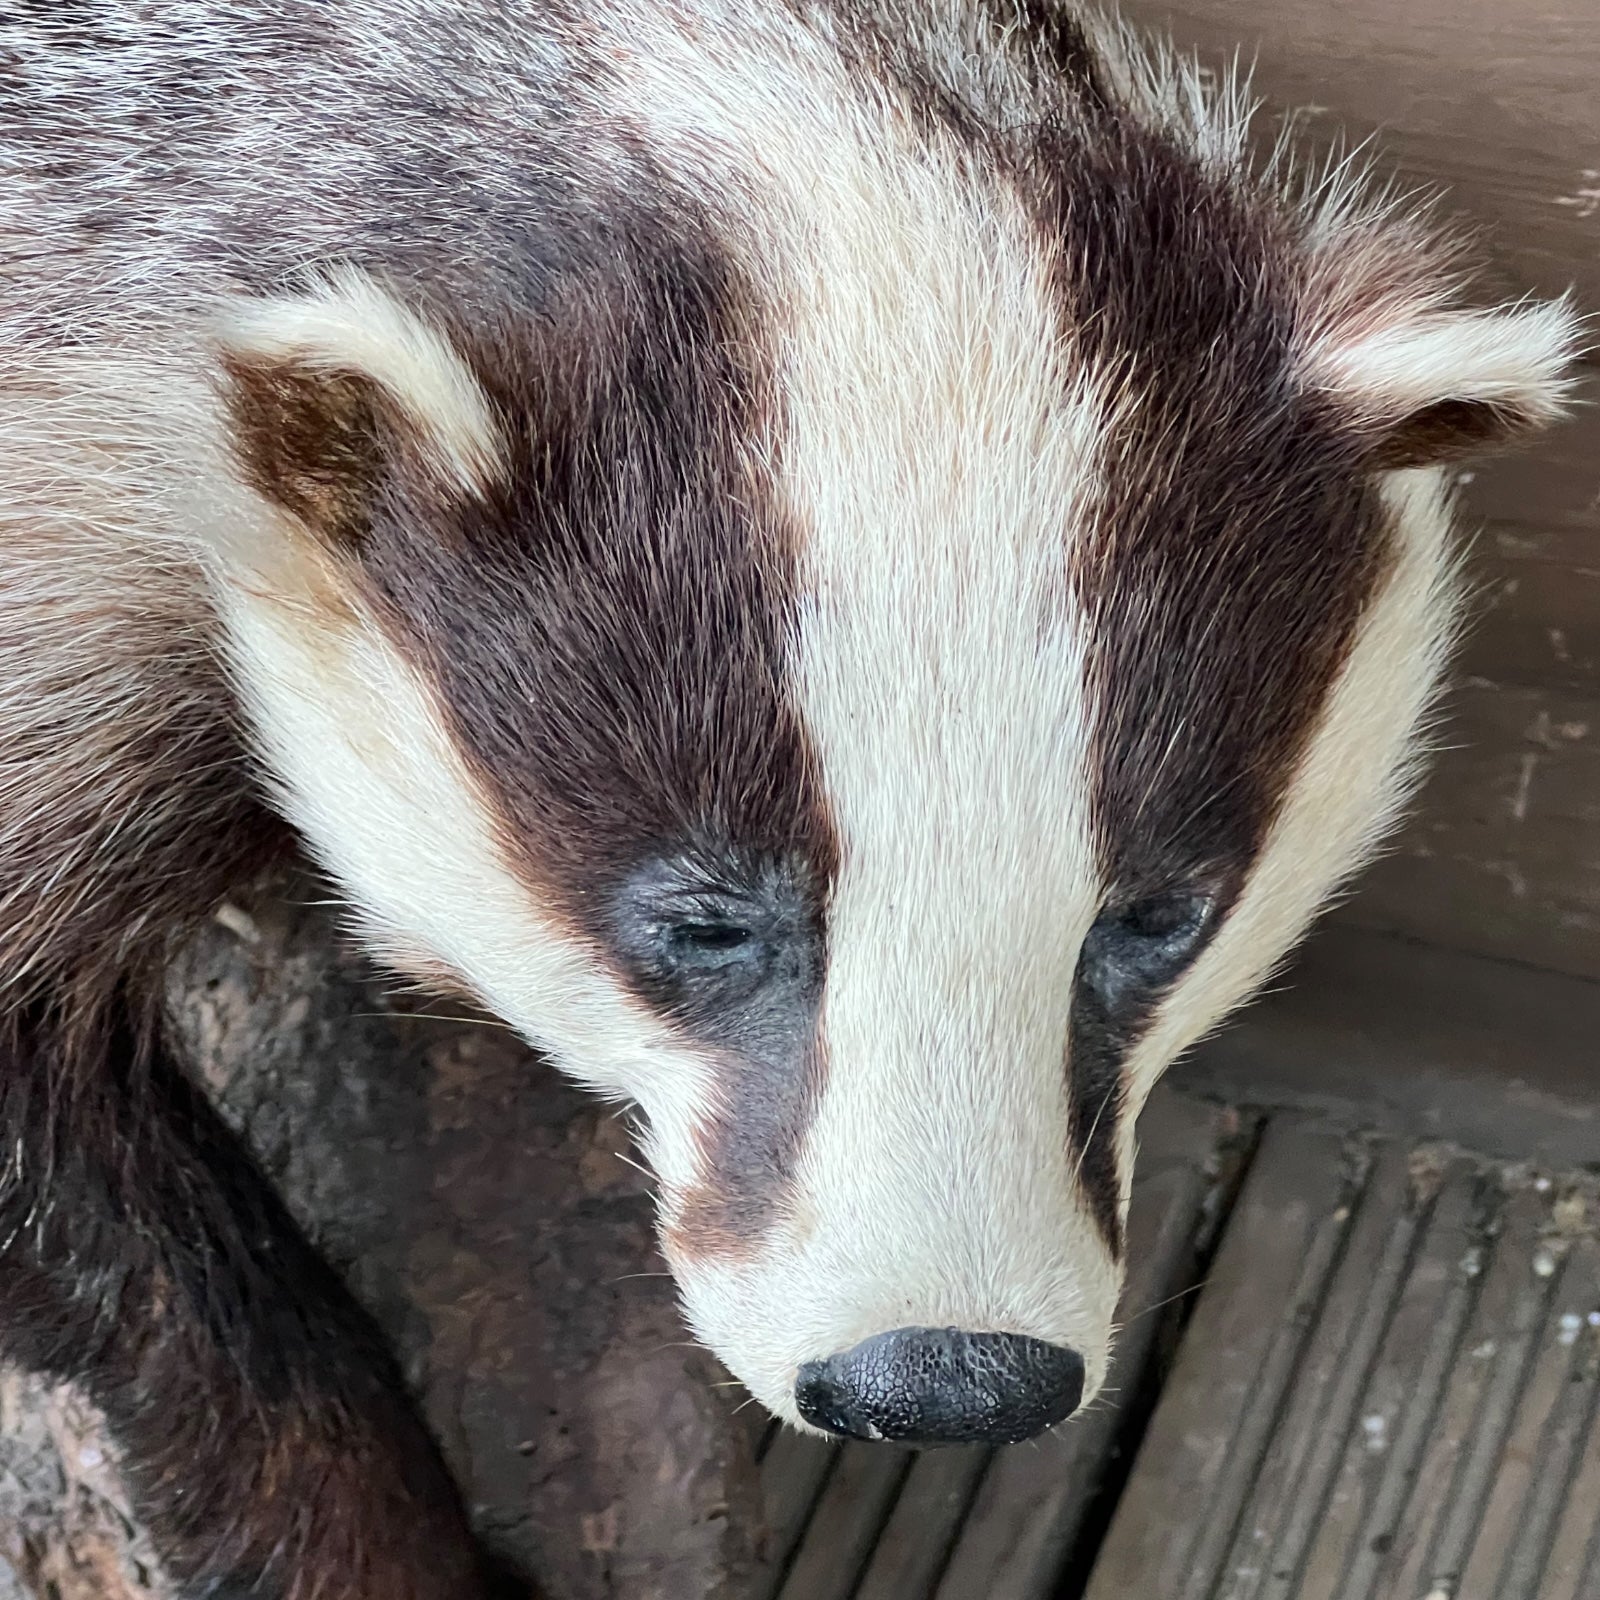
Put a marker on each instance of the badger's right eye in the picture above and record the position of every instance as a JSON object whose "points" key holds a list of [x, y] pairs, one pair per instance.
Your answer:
{"points": [[708, 937], [733, 945]]}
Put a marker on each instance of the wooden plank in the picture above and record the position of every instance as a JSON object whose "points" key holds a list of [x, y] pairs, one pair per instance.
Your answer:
{"points": [[1534, 1474], [1435, 1437], [1503, 856], [852, 1509], [1212, 1428], [793, 1472], [1456, 1474], [1535, 615], [1356, 1534], [1572, 1570], [1286, 1506], [1495, 1056], [915, 1545]]}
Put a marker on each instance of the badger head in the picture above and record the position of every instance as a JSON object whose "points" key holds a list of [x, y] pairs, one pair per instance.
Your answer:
{"points": [[886, 638]]}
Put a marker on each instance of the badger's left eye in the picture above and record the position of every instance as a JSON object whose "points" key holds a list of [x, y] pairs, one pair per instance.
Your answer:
{"points": [[1173, 919], [1138, 945]]}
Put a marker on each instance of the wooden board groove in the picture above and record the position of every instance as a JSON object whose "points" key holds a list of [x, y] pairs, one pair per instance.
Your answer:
{"points": [[1404, 1393], [1293, 1491], [794, 1473], [1388, 1389], [976, 1524]]}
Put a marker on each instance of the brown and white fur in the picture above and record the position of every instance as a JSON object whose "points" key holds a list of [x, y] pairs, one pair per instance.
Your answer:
{"points": [[855, 570]]}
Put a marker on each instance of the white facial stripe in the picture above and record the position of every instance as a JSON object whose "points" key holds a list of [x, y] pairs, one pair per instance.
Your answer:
{"points": [[934, 452], [347, 323], [364, 769], [1357, 772], [942, 680]]}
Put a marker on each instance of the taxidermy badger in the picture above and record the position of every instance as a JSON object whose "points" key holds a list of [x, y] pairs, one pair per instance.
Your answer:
{"points": [[851, 568]]}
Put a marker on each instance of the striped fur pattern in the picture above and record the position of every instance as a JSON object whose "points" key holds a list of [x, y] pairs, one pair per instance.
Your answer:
{"points": [[856, 570]]}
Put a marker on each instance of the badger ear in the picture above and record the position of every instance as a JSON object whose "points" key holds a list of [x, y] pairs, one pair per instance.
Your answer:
{"points": [[330, 392], [1442, 384]]}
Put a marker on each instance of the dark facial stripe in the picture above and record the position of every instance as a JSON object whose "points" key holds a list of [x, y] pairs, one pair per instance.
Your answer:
{"points": [[936, 63], [1230, 559], [1238, 540], [1096, 1090], [1052, 39], [740, 969], [609, 628], [748, 1155]]}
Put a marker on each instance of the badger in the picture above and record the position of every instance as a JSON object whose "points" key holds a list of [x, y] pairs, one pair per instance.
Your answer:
{"points": [[855, 570]]}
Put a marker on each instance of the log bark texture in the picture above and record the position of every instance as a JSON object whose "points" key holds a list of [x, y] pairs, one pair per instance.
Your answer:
{"points": [[487, 1213]]}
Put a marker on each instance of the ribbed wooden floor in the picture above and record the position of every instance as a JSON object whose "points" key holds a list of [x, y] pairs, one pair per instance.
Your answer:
{"points": [[1352, 1369]]}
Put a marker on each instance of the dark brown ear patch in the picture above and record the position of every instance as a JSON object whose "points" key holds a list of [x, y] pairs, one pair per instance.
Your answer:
{"points": [[315, 441], [1448, 431]]}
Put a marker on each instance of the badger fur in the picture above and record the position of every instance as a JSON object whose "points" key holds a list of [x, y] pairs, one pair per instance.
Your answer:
{"points": [[856, 570]]}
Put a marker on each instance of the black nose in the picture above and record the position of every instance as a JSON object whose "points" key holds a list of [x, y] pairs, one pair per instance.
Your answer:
{"points": [[942, 1386]]}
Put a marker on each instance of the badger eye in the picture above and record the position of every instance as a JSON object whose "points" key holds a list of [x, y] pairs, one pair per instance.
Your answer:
{"points": [[1139, 945], [1166, 919], [708, 943], [714, 937]]}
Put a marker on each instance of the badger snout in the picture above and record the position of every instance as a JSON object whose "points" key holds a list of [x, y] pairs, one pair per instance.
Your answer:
{"points": [[942, 1386]]}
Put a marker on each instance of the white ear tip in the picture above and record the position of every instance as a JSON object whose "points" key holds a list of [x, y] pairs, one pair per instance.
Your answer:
{"points": [[344, 321], [1554, 335], [1520, 356]]}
